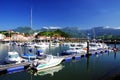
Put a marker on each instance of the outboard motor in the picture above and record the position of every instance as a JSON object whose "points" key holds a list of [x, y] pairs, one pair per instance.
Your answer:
{"points": [[30, 50], [39, 52]]}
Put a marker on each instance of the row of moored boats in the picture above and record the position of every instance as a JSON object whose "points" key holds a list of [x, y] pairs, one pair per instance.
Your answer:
{"points": [[43, 61]]}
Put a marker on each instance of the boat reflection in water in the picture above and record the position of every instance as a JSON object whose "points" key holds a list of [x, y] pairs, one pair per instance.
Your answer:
{"points": [[50, 70]]}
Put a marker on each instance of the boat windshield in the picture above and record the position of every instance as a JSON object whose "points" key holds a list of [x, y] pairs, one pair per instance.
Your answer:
{"points": [[72, 45], [79, 45], [78, 48], [92, 45], [49, 57], [13, 56], [72, 48]]}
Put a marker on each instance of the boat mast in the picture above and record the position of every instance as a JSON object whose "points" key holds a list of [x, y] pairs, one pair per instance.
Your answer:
{"points": [[9, 42], [31, 18], [94, 34]]}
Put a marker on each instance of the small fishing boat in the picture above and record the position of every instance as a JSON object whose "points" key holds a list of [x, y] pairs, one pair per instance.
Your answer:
{"points": [[54, 44], [74, 50], [29, 44], [29, 56], [48, 62], [42, 45], [13, 57], [93, 47]]}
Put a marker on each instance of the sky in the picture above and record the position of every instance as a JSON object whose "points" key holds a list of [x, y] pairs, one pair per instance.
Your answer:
{"points": [[59, 13]]}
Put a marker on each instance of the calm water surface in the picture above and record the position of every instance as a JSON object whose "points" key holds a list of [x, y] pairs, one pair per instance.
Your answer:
{"points": [[96, 67]]}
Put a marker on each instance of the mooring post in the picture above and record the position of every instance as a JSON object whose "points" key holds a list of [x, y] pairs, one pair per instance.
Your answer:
{"points": [[50, 47], [88, 63], [115, 48], [59, 47], [88, 47], [115, 55], [87, 55], [115, 44]]}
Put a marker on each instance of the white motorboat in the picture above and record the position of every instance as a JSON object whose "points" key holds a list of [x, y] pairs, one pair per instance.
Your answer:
{"points": [[104, 46], [97, 46], [54, 44], [29, 56], [48, 62], [13, 57], [29, 44], [93, 47], [42, 45], [74, 50]]}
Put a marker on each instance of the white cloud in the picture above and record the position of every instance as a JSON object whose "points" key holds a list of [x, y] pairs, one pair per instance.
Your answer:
{"points": [[112, 27], [53, 27], [45, 27], [116, 28], [107, 27]]}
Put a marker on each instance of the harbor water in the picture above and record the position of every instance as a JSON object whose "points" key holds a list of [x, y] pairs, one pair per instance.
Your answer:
{"points": [[104, 66]]}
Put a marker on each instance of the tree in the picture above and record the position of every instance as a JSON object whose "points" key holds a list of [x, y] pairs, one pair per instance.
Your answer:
{"points": [[56, 33]]}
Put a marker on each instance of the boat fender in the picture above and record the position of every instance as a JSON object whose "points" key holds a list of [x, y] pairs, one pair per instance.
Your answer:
{"points": [[115, 49], [106, 51], [96, 52], [101, 51], [35, 64]]}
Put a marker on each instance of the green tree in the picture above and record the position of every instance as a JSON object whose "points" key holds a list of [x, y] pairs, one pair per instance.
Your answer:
{"points": [[56, 33]]}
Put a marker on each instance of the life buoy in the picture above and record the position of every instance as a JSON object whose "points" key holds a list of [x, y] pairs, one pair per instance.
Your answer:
{"points": [[115, 49], [84, 48]]}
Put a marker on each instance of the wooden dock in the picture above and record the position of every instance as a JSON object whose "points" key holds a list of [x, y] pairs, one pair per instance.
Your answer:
{"points": [[8, 66], [79, 55]]}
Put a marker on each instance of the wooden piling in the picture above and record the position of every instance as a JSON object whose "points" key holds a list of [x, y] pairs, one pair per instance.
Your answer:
{"points": [[88, 47], [115, 44]]}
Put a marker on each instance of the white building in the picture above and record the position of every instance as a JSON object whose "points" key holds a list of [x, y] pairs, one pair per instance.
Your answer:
{"points": [[2, 36]]}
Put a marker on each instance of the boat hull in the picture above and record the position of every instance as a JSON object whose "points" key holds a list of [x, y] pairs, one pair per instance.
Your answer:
{"points": [[52, 63]]}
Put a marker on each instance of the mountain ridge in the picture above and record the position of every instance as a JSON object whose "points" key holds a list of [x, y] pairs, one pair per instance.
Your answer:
{"points": [[77, 32]]}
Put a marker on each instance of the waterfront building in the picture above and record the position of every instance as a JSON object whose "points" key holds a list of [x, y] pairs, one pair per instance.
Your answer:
{"points": [[2, 36]]}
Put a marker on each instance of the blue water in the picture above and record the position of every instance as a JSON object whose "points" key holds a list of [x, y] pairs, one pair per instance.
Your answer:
{"points": [[95, 67]]}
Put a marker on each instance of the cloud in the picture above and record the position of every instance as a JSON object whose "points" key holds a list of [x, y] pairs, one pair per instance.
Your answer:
{"points": [[112, 27], [116, 27], [52, 27], [45, 27], [107, 27]]}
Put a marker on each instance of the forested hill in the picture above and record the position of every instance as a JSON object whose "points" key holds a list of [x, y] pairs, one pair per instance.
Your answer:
{"points": [[78, 32]]}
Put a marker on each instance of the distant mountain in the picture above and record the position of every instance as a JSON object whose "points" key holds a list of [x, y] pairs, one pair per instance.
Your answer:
{"points": [[24, 30], [102, 31], [76, 31], [93, 32]]}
